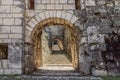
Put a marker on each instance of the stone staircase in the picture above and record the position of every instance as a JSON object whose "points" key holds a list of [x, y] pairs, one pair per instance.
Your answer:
{"points": [[57, 57], [26, 77], [57, 67], [58, 75]]}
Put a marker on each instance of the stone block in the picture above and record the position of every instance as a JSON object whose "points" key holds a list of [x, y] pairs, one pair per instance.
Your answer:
{"points": [[38, 1], [59, 6], [18, 21], [71, 1], [15, 36], [28, 39], [15, 65], [17, 9], [5, 9], [74, 19], [92, 30], [51, 6], [1, 21], [34, 21], [68, 16], [31, 24], [29, 13], [63, 1], [17, 40], [94, 47], [16, 29], [17, 15], [70, 7], [15, 59], [117, 3], [40, 6], [5, 15], [99, 72], [54, 1], [63, 15], [15, 47], [37, 17], [1, 71], [5, 40], [3, 35], [4, 29], [18, 2], [4, 63], [29, 61], [90, 3], [28, 33], [103, 47], [70, 11], [42, 16], [54, 13], [59, 14], [28, 28], [13, 71], [47, 14], [50, 12], [83, 40], [7, 2], [7, 21], [96, 38], [46, 1]]}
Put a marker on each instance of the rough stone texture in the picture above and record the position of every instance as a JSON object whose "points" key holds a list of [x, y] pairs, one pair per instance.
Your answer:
{"points": [[98, 40], [11, 32], [102, 34]]}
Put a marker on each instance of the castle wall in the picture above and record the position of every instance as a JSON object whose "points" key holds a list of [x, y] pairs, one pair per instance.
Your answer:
{"points": [[11, 33], [99, 23]]}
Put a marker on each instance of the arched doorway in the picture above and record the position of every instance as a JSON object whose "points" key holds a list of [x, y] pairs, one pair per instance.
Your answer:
{"points": [[42, 41], [36, 56], [57, 44]]}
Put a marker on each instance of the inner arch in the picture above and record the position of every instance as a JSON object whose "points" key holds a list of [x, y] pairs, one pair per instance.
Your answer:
{"points": [[69, 44]]}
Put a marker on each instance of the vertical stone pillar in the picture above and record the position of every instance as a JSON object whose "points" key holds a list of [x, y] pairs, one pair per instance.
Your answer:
{"points": [[28, 58]]}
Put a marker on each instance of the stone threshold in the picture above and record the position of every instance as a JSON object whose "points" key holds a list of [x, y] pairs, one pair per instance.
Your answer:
{"points": [[62, 77]]}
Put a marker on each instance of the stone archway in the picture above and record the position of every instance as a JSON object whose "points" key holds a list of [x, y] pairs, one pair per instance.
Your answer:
{"points": [[35, 27], [57, 42]]}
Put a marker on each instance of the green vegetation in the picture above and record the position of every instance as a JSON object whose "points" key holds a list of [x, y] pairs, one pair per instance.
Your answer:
{"points": [[10, 77], [110, 78]]}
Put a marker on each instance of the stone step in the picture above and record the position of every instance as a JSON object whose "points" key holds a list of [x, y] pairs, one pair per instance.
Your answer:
{"points": [[26, 77], [67, 72], [57, 62], [60, 65], [56, 68]]}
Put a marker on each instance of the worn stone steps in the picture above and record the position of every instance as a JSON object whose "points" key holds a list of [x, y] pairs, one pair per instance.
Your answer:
{"points": [[61, 78], [57, 57], [60, 65], [31, 77], [55, 73]]}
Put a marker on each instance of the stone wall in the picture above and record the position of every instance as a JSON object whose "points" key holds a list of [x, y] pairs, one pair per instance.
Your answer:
{"points": [[54, 4], [98, 21], [46, 50], [11, 33]]}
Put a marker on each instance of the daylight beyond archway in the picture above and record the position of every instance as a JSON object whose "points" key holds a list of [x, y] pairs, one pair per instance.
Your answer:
{"points": [[56, 51]]}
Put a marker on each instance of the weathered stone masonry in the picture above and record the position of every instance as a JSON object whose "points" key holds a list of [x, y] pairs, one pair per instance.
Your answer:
{"points": [[98, 22], [11, 33]]}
